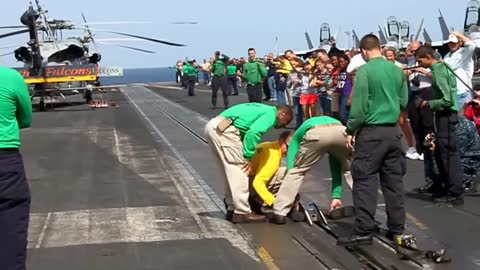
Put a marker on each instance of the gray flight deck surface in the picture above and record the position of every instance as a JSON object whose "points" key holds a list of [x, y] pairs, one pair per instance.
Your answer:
{"points": [[132, 188]]}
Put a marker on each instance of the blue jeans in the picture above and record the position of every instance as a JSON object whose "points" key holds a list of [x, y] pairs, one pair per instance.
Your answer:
{"points": [[462, 99], [281, 87], [206, 78], [271, 86], [297, 109], [324, 103], [281, 99], [342, 108]]}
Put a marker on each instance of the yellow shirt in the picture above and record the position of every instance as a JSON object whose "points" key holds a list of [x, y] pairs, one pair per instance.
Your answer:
{"points": [[265, 163], [284, 67]]}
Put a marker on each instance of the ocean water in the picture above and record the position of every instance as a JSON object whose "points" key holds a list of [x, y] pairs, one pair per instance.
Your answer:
{"points": [[141, 75]]}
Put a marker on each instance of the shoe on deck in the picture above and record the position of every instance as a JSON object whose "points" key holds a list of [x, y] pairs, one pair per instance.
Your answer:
{"points": [[248, 218]]}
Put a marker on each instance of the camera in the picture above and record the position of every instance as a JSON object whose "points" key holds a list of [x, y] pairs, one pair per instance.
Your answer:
{"points": [[416, 81], [429, 140]]}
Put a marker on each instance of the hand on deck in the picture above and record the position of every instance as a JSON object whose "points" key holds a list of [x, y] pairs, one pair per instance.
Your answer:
{"points": [[336, 203]]}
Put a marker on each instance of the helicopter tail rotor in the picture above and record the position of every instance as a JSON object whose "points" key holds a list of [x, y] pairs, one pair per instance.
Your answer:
{"points": [[87, 28]]}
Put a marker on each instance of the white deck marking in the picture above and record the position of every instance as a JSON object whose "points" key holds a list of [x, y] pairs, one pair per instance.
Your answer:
{"points": [[113, 225], [190, 180]]}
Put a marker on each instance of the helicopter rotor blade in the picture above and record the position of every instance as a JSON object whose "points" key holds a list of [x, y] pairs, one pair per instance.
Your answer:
{"points": [[184, 23], [5, 54], [148, 38], [14, 33], [118, 39], [119, 22], [12, 46], [127, 47], [137, 36], [12, 26]]}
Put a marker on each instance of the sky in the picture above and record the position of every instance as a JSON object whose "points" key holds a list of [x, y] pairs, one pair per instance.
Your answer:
{"points": [[229, 26]]}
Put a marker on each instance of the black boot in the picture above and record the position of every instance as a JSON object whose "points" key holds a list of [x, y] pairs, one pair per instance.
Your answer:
{"points": [[277, 219]]}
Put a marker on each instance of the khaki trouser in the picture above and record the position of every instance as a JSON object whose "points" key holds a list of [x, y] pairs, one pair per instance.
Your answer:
{"points": [[317, 141], [227, 149], [273, 187]]}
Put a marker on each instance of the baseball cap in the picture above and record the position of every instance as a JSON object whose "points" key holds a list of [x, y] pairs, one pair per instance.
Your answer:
{"points": [[452, 38]]}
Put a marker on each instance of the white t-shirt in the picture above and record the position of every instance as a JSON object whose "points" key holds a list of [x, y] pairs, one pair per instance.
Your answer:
{"points": [[424, 80], [356, 62], [461, 62]]}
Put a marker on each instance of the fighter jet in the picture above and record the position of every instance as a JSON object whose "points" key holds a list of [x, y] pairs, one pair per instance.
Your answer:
{"points": [[327, 41]]}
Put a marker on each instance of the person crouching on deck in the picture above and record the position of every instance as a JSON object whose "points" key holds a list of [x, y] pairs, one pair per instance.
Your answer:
{"points": [[266, 175], [316, 137], [233, 137]]}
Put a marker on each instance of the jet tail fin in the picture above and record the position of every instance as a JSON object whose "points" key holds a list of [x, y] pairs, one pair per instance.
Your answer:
{"points": [[443, 26], [419, 30], [355, 39], [309, 41], [383, 38], [426, 36]]}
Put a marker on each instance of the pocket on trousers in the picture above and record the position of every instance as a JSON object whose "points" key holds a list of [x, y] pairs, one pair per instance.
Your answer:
{"points": [[233, 154], [300, 156], [363, 159], [311, 136], [361, 166]]}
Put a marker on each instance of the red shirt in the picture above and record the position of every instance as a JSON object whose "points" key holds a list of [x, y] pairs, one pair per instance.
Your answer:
{"points": [[473, 114]]}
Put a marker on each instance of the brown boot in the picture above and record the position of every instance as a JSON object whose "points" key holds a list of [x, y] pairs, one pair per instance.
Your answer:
{"points": [[248, 218]]}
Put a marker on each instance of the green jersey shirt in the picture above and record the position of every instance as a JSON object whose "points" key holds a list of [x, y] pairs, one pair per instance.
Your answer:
{"points": [[253, 120], [15, 107], [254, 72], [379, 92], [335, 165], [444, 88]]}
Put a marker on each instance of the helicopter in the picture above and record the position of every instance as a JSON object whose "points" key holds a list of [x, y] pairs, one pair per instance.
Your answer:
{"points": [[54, 65]]}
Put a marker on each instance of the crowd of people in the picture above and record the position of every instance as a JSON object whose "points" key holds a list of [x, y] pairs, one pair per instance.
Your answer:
{"points": [[356, 107]]}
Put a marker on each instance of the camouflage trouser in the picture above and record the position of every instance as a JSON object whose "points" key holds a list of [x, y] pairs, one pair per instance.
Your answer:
{"points": [[470, 170]]}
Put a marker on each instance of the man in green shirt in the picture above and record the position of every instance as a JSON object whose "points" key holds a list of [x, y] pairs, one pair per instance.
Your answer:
{"points": [[253, 74], [444, 104], [190, 71], [316, 137], [233, 137], [379, 93], [218, 79], [15, 114]]}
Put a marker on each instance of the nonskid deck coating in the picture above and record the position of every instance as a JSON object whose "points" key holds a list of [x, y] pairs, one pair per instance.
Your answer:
{"points": [[106, 194]]}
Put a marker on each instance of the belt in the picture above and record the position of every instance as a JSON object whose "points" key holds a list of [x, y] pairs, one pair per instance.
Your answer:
{"points": [[326, 125], [8, 150]]}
